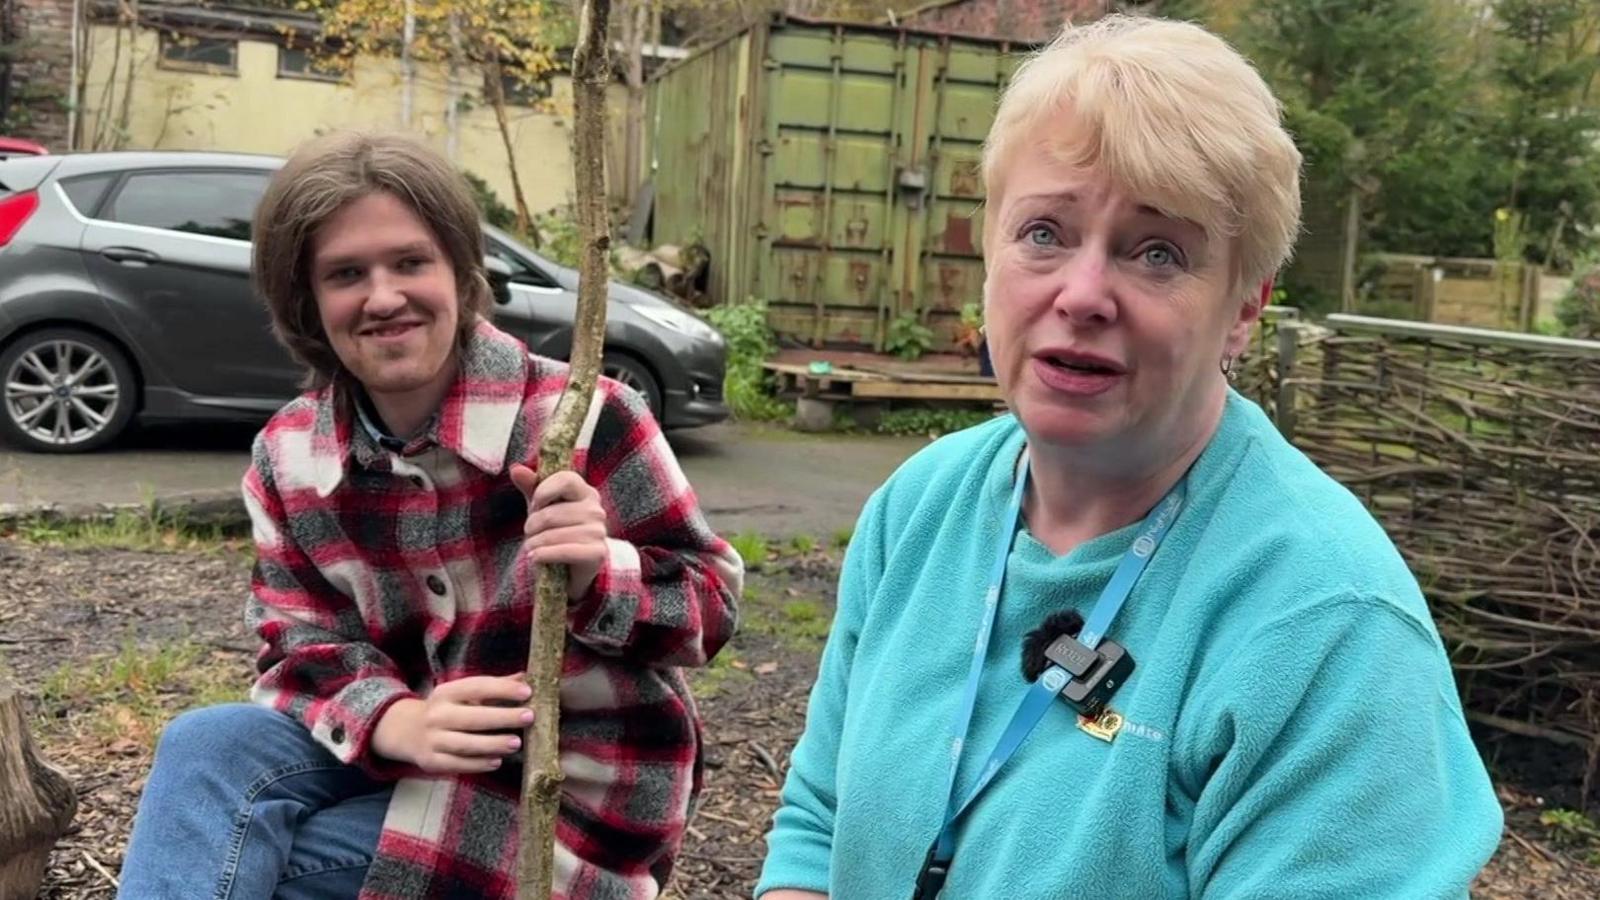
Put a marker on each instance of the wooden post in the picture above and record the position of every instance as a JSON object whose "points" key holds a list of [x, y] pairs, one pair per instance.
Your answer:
{"points": [[1347, 261], [1288, 348], [1528, 311], [541, 776], [37, 802]]}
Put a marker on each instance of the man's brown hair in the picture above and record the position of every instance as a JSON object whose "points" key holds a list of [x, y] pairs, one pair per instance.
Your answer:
{"points": [[322, 177]]}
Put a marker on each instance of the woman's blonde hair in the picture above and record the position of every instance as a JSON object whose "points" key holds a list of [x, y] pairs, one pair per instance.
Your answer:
{"points": [[1172, 113], [323, 176]]}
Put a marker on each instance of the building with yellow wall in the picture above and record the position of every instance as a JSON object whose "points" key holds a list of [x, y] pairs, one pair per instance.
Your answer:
{"points": [[231, 81]]}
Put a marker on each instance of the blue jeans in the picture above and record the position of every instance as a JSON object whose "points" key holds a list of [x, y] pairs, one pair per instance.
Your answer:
{"points": [[242, 803]]}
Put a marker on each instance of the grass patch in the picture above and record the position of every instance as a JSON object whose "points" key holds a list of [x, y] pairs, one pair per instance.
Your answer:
{"points": [[842, 537], [130, 695], [725, 669], [802, 543], [129, 529], [800, 623], [752, 548]]}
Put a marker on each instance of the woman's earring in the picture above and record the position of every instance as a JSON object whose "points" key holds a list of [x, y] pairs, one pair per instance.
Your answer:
{"points": [[1227, 367]]}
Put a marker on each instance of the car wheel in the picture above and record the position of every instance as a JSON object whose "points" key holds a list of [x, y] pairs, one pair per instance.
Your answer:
{"points": [[633, 373], [65, 391]]}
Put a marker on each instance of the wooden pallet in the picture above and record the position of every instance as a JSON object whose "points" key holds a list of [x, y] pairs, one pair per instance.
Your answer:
{"points": [[852, 384]]}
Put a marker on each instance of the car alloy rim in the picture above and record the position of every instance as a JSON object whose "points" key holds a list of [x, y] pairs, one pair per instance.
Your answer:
{"points": [[62, 392], [627, 377]]}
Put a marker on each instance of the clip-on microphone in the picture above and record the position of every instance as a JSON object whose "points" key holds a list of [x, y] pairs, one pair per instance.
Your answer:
{"points": [[1096, 673]]}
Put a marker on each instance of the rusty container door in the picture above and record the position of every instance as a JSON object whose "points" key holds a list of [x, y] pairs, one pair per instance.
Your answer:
{"points": [[943, 223], [865, 185], [823, 238]]}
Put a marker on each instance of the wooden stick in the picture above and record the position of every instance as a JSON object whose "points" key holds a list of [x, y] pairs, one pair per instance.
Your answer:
{"points": [[95, 864], [541, 776]]}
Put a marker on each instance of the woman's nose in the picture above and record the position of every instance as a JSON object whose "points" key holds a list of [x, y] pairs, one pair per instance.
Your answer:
{"points": [[1084, 294]]}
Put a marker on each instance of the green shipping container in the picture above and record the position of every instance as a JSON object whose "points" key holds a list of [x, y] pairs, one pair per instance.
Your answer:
{"points": [[831, 170]]}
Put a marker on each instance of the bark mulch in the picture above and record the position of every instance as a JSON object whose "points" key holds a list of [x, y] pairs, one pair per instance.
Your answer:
{"points": [[114, 642]]}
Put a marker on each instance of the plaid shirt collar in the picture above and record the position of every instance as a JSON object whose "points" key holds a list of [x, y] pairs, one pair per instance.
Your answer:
{"points": [[474, 421]]}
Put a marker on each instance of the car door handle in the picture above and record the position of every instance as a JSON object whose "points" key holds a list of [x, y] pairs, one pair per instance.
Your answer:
{"points": [[130, 256]]}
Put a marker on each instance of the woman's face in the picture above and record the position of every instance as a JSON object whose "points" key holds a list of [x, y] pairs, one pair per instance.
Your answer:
{"points": [[1107, 321]]}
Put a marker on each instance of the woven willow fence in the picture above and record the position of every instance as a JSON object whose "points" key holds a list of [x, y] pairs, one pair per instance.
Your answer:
{"points": [[1480, 454]]}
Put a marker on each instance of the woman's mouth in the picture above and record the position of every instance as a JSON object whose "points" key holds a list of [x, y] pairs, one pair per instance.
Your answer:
{"points": [[1081, 365], [1077, 374], [391, 330]]}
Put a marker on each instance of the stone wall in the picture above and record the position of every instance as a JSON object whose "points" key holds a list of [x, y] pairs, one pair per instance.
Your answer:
{"points": [[41, 73]]}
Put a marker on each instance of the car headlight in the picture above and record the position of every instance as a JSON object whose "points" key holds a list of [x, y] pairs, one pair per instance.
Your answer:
{"points": [[677, 320]]}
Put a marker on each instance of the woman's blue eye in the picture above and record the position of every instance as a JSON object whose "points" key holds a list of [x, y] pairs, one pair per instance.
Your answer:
{"points": [[1160, 256], [1041, 236]]}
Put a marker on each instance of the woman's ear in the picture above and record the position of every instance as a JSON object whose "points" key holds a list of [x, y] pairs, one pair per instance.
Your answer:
{"points": [[1249, 312]]}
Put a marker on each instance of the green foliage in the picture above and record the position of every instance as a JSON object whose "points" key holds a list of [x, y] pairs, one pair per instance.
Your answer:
{"points": [[803, 543], [1545, 130], [1438, 115], [1578, 311], [908, 338], [752, 548], [559, 238], [931, 422], [494, 212], [750, 343], [972, 315], [1570, 828]]}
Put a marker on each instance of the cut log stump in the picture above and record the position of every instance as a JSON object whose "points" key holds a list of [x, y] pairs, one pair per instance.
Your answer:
{"points": [[37, 802]]}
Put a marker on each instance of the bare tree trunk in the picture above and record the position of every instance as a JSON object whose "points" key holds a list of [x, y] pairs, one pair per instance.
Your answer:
{"points": [[541, 777], [37, 802], [408, 75], [452, 98], [495, 75], [103, 115], [126, 114]]}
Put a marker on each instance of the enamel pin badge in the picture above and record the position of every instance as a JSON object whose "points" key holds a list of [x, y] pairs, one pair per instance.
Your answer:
{"points": [[1104, 726]]}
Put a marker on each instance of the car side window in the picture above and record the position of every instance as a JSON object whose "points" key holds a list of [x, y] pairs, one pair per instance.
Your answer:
{"points": [[219, 204], [86, 191], [521, 271]]}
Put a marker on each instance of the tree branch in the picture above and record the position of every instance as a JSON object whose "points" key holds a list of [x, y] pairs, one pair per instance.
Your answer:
{"points": [[541, 778]]}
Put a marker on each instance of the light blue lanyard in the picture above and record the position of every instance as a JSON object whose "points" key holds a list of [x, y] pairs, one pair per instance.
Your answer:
{"points": [[1049, 684]]}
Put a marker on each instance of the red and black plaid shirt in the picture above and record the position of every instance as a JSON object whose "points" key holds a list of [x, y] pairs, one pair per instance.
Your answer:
{"points": [[381, 574]]}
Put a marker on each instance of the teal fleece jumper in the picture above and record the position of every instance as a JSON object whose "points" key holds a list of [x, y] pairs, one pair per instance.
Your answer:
{"points": [[1292, 730]]}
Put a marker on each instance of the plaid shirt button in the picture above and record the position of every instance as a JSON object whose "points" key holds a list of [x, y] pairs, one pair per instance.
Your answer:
{"points": [[337, 734], [436, 584], [606, 621]]}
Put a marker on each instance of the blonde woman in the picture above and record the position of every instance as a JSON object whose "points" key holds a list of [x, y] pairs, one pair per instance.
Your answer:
{"points": [[1127, 641]]}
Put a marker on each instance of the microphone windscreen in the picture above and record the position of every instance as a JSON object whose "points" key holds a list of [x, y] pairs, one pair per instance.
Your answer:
{"points": [[1037, 641]]}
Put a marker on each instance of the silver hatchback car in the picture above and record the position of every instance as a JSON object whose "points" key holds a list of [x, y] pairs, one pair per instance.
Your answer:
{"points": [[125, 291]]}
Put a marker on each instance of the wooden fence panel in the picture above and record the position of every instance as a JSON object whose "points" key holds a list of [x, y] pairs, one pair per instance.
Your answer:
{"points": [[1479, 452]]}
